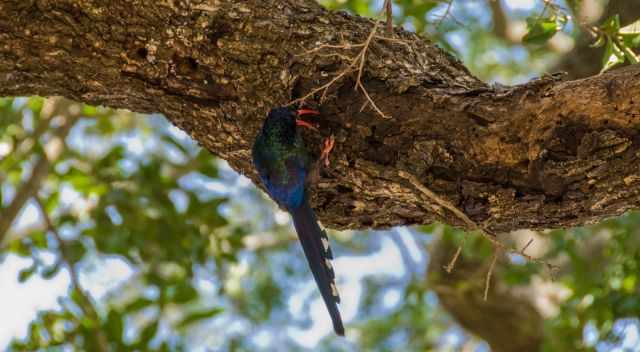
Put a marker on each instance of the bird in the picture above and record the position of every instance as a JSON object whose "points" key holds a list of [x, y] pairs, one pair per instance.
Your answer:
{"points": [[285, 168]]}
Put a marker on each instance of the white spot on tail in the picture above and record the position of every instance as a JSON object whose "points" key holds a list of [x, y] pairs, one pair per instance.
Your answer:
{"points": [[327, 262], [334, 290], [325, 244]]}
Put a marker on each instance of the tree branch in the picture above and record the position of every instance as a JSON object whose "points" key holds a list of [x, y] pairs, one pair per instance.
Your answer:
{"points": [[86, 304], [500, 21], [540, 155], [41, 168]]}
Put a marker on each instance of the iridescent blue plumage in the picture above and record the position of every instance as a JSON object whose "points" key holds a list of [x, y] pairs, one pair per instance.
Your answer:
{"points": [[284, 164], [281, 158]]}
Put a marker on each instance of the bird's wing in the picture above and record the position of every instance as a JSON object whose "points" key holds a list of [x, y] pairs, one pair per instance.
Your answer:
{"points": [[284, 178]]}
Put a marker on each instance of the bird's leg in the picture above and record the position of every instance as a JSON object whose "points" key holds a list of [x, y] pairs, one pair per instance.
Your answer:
{"points": [[327, 146], [323, 160]]}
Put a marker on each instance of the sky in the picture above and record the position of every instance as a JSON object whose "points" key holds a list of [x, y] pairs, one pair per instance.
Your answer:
{"points": [[20, 302]]}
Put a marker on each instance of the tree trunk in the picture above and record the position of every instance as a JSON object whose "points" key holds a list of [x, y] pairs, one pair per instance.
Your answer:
{"points": [[540, 155]]}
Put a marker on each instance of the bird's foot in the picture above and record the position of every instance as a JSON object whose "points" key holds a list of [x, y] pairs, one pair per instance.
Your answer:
{"points": [[328, 143], [327, 146]]}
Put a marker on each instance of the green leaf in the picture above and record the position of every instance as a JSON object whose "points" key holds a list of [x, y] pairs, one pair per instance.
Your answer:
{"points": [[184, 293], [115, 325], [35, 104], [631, 29], [38, 239], [630, 55], [80, 180], [26, 273], [540, 29], [194, 317], [612, 25], [5, 102], [602, 40], [104, 125], [148, 333], [138, 304], [89, 110], [75, 251], [50, 271], [21, 247], [52, 202], [612, 56], [632, 41]]}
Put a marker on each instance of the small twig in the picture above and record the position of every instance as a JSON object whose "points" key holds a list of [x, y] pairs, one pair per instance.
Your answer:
{"points": [[487, 282], [324, 87], [446, 204], [388, 9], [363, 53], [446, 14], [498, 246], [86, 304], [457, 212], [359, 84], [526, 246], [341, 56], [355, 64], [551, 269], [370, 100], [393, 40], [452, 263], [345, 46]]}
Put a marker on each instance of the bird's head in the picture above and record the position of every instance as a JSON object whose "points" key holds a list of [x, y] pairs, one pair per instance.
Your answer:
{"points": [[288, 118]]}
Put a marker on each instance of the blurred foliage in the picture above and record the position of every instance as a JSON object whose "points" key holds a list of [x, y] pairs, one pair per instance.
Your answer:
{"points": [[604, 284], [618, 41], [212, 262]]}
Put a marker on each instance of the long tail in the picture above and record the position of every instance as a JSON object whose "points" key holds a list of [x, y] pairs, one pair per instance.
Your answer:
{"points": [[316, 248]]}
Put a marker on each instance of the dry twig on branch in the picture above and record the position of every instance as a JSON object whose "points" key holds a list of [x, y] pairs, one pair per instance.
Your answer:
{"points": [[355, 64], [388, 10], [498, 246]]}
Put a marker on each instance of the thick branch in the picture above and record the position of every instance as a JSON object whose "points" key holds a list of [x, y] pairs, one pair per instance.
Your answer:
{"points": [[545, 154]]}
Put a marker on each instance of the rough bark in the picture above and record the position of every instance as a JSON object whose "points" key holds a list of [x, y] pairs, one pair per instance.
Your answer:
{"points": [[541, 155]]}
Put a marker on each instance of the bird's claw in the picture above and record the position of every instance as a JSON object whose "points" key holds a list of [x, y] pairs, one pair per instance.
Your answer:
{"points": [[327, 146]]}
